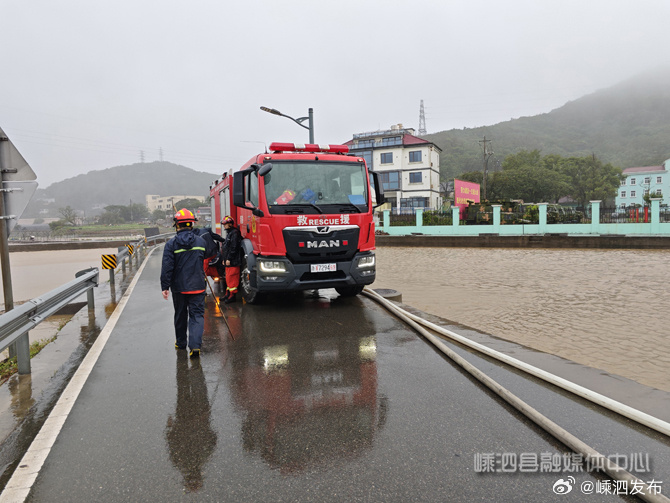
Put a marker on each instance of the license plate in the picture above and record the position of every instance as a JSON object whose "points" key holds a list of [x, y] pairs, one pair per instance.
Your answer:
{"points": [[323, 267]]}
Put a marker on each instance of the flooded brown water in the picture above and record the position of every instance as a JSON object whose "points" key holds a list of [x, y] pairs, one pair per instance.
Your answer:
{"points": [[37, 272], [608, 309]]}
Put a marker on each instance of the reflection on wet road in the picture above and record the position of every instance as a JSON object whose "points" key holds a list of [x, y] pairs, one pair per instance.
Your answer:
{"points": [[305, 399], [189, 435]]}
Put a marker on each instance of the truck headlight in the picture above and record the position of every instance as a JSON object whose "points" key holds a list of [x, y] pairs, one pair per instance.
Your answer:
{"points": [[271, 266], [365, 262]]}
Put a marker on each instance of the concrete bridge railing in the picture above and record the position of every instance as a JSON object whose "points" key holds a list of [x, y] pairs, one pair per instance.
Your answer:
{"points": [[654, 227]]}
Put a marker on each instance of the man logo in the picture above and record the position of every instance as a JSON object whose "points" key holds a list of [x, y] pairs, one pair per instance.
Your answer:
{"points": [[333, 243], [323, 230]]}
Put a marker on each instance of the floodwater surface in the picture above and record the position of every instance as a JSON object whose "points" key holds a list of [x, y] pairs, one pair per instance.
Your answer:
{"points": [[608, 309], [37, 272]]}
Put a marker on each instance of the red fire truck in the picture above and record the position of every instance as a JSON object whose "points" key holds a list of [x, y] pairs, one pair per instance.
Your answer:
{"points": [[305, 213]]}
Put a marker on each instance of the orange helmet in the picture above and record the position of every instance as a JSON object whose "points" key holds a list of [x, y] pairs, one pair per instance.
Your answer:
{"points": [[228, 220], [184, 218]]}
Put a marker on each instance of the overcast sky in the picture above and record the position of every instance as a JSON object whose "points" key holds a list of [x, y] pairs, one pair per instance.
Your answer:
{"points": [[86, 85]]}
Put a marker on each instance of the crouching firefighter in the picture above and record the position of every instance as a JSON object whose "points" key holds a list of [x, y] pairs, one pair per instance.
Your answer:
{"points": [[182, 272], [231, 258]]}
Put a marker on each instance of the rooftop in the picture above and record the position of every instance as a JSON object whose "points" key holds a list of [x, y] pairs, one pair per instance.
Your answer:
{"points": [[643, 169]]}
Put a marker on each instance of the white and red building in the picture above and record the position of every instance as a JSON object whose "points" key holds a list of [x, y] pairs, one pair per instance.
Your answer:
{"points": [[409, 166]]}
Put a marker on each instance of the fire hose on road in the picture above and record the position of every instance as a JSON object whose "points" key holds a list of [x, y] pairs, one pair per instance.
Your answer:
{"points": [[578, 446]]}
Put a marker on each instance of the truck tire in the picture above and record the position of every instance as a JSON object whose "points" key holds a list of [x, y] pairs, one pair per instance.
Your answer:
{"points": [[249, 293], [349, 291]]}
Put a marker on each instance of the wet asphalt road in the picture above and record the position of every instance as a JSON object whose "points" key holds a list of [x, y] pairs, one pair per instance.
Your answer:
{"points": [[307, 398]]}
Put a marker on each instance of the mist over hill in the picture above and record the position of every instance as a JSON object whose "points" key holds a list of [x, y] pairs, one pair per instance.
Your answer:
{"points": [[627, 125], [119, 185]]}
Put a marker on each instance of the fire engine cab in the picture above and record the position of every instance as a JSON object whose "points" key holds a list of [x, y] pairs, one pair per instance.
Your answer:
{"points": [[306, 217]]}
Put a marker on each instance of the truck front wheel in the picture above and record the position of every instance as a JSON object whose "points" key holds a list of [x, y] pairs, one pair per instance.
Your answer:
{"points": [[249, 293]]}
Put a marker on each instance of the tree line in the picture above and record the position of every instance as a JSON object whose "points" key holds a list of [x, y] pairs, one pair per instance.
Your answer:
{"points": [[531, 177], [116, 214]]}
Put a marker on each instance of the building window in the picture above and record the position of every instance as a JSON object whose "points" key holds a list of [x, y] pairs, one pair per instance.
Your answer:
{"points": [[623, 193], [623, 182], [632, 181], [415, 156], [387, 158], [414, 202], [365, 143], [658, 192], [623, 205], [647, 179], [367, 157], [393, 140], [659, 179], [390, 180], [415, 177], [632, 193]]}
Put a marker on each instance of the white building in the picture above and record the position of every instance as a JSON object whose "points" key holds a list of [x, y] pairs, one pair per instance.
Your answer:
{"points": [[639, 181], [409, 167], [165, 203]]}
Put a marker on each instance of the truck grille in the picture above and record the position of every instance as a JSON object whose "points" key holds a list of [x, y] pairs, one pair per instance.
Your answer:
{"points": [[307, 245]]}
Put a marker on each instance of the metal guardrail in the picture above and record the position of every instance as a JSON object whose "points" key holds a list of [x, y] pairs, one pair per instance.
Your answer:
{"points": [[15, 324], [160, 237]]}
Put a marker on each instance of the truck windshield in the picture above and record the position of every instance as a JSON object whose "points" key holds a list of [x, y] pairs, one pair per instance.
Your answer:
{"points": [[316, 187]]}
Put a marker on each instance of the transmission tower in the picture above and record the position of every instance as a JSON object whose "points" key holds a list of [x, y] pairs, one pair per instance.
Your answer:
{"points": [[422, 121], [142, 156], [160, 154]]}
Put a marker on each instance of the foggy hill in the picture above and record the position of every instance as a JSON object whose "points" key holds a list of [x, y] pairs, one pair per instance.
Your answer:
{"points": [[120, 185], [627, 125]]}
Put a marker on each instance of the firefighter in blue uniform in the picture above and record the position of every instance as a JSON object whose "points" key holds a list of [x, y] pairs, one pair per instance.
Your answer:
{"points": [[182, 272]]}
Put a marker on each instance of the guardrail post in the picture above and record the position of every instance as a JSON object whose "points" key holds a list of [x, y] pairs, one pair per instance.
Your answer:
{"points": [[91, 300], [23, 354], [89, 293]]}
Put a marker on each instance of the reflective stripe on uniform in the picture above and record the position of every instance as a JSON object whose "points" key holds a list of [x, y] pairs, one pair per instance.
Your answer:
{"points": [[189, 249]]}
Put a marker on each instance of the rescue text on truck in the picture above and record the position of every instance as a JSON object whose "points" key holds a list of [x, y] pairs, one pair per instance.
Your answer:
{"points": [[309, 221]]}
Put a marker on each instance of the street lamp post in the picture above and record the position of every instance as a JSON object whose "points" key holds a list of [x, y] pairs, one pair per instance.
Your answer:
{"points": [[299, 121]]}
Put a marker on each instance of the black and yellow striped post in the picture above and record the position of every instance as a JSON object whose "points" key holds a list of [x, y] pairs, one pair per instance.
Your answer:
{"points": [[109, 262]]}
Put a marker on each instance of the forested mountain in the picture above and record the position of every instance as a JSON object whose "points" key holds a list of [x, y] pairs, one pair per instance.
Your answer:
{"points": [[119, 186], [625, 125]]}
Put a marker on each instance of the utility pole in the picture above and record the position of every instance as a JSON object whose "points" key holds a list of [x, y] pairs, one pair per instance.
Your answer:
{"points": [[487, 153]]}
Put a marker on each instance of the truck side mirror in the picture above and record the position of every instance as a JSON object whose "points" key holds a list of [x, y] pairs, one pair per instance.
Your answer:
{"points": [[265, 169], [379, 191], [238, 189]]}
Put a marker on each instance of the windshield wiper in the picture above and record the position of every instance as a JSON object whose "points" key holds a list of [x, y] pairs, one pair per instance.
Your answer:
{"points": [[349, 206], [307, 204]]}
